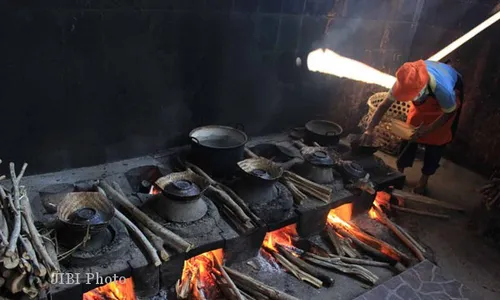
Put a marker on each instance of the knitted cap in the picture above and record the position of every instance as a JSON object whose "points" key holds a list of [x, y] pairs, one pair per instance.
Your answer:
{"points": [[411, 77]]}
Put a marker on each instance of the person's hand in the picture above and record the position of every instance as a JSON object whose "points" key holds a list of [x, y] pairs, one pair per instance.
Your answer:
{"points": [[421, 131], [367, 138]]}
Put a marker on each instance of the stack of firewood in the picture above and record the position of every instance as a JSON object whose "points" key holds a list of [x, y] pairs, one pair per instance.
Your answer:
{"points": [[491, 191], [28, 257]]}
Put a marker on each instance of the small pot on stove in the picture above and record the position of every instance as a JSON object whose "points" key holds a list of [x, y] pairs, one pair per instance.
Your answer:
{"points": [[260, 170], [82, 211], [181, 197], [350, 170], [323, 132], [317, 165]]}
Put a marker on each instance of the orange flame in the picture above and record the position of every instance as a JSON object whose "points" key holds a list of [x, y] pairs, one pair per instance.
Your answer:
{"points": [[198, 270], [116, 290], [341, 215], [383, 199], [282, 236], [336, 218], [372, 213], [154, 191]]}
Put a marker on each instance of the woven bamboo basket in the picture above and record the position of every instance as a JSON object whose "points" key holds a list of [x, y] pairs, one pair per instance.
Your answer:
{"points": [[384, 137]]}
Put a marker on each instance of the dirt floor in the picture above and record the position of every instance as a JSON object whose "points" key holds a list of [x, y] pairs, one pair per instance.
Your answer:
{"points": [[458, 249]]}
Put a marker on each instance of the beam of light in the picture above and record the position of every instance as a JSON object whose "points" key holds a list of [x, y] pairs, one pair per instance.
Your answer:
{"points": [[329, 62], [463, 39]]}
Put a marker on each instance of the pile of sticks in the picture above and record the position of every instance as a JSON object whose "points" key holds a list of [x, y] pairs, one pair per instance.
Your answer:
{"points": [[232, 205], [491, 191], [150, 234], [300, 187], [28, 258], [349, 241]]}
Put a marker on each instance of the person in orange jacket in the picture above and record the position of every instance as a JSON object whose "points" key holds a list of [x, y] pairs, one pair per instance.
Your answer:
{"points": [[435, 91]]}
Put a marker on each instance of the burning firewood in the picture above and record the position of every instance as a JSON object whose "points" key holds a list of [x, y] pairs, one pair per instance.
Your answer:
{"points": [[237, 294], [168, 236], [335, 240], [342, 267], [377, 213], [249, 284], [324, 277], [294, 269]]}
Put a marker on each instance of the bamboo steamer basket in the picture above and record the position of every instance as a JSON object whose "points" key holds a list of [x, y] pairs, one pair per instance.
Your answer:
{"points": [[388, 141]]}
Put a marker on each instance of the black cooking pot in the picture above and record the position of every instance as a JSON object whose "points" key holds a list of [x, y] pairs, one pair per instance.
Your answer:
{"points": [[323, 132], [218, 149]]}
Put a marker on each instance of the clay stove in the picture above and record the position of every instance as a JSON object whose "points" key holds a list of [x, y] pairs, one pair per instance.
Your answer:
{"points": [[260, 189]]}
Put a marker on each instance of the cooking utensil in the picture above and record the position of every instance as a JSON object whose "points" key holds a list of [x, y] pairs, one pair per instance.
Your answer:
{"points": [[261, 170], [82, 210], [323, 132], [218, 149], [181, 199]]}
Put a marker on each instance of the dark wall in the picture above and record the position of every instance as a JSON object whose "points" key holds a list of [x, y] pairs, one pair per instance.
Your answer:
{"points": [[85, 82]]}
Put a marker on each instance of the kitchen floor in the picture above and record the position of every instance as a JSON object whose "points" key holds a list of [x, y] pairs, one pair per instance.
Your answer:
{"points": [[458, 249]]}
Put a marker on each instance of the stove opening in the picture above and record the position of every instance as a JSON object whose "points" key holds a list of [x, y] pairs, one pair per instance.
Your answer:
{"points": [[281, 237], [201, 277], [116, 290]]}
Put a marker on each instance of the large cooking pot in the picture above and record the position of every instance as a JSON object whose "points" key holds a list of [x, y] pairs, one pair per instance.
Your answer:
{"points": [[218, 149], [323, 132]]}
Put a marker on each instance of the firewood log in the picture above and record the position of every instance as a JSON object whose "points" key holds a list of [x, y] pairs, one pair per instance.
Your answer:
{"points": [[39, 269], [16, 282], [318, 273], [237, 294], [403, 238], [226, 200], [251, 284], [35, 237], [426, 200], [16, 229], [168, 236]]}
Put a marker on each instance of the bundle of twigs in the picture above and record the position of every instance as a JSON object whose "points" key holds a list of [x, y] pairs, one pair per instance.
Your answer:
{"points": [[28, 259], [153, 236], [491, 192]]}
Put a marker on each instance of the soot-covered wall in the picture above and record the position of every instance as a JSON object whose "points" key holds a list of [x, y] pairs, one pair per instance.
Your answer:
{"points": [[85, 82]]}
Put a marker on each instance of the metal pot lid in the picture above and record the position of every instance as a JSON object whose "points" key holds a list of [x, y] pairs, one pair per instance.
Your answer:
{"points": [[317, 156], [323, 127], [182, 188], [183, 184], [353, 169], [218, 137], [87, 216]]}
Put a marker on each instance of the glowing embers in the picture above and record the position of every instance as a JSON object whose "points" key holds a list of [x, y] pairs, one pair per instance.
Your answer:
{"points": [[116, 290], [200, 277]]}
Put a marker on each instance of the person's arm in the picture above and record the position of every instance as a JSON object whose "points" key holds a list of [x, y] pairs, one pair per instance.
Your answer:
{"points": [[379, 113]]}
